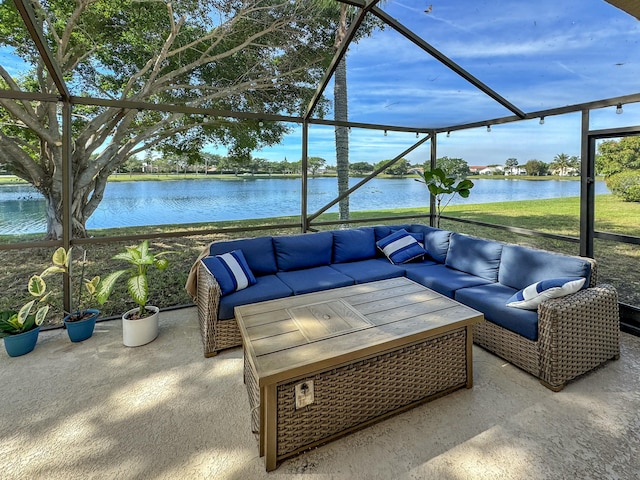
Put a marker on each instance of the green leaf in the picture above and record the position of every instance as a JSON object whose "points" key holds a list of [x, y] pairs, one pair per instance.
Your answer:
{"points": [[92, 285], [162, 263], [105, 287], [53, 269], [24, 312], [37, 286], [61, 258], [465, 184], [41, 314], [126, 256], [138, 289]]}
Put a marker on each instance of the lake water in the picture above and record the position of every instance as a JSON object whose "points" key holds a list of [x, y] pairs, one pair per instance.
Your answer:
{"points": [[207, 200]]}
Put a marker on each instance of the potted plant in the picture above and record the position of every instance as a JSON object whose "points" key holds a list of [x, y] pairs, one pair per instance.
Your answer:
{"points": [[19, 329], [140, 324], [81, 321], [441, 184]]}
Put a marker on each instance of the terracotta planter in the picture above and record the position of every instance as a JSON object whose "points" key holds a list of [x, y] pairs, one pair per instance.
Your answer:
{"points": [[22, 343], [142, 330]]}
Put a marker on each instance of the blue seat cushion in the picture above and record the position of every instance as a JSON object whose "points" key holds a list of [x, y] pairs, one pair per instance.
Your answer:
{"points": [[258, 252], [267, 287], [353, 245], [436, 241], [418, 263], [491, 300], [521, 267], [314, 279], [476, 256], [370, 270], [307, 250], [443, 279]]}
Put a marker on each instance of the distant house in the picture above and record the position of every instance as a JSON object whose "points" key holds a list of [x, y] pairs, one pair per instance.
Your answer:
{"points": [[476, 169], [495, 170], [517, 170]]}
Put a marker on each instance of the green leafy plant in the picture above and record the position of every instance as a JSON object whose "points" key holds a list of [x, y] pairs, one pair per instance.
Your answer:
{"points": [[34, 312], [87, 294], [441, 184], [140, 259], [625, 185]]}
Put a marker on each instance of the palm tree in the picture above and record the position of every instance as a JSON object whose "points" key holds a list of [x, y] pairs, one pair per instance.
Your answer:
{"points": [[340, 106], [561, 163], [341, 114]]}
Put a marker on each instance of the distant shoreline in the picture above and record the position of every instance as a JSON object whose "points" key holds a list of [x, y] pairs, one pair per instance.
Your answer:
{"points": [[160, 177]]}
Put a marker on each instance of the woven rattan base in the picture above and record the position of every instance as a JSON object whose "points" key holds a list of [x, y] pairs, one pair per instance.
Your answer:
{"points": [[368, 390], [320, 365]]}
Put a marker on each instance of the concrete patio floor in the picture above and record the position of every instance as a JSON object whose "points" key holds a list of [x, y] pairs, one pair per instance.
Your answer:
{"points": [[100, 410]]}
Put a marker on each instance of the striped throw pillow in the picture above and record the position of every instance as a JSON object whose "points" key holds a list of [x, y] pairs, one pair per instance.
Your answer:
{"points": [[530, 297], [400, 247], [230, 270]]}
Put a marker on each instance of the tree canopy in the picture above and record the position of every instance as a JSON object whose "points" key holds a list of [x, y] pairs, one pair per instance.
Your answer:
{"points": [[615, 156], [258, 55], [456, 167]]}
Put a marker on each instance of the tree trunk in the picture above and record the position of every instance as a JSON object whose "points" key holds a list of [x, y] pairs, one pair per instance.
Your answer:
{"points": [[342, 136]]}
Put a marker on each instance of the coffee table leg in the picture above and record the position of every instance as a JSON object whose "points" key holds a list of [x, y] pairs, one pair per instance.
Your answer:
{"points": [[469, 357], [262, 425], [270, 430]]}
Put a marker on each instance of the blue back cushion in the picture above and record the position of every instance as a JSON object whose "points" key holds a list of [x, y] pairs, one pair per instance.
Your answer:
{"points": [[521, 266], [295, 252], [353, 245], [258, 252], [474, 255], [383, 231], [436, 241]]}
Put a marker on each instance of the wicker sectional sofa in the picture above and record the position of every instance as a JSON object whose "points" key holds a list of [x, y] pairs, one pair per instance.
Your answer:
{"points": [[564, 338]]}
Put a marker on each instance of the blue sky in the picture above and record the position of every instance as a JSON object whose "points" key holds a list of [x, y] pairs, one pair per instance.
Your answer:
{"points": [[538, 55]]}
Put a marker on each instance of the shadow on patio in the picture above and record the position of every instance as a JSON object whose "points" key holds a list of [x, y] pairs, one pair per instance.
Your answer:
{"points": [[101, 410]]}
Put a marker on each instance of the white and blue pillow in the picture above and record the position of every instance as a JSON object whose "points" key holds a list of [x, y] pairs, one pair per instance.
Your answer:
{"points": [[400, 247], [530, 297], [230, 270]]}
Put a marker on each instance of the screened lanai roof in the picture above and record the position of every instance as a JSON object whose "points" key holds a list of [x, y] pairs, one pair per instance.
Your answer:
{"points": [[534, 55], [437, 64]]}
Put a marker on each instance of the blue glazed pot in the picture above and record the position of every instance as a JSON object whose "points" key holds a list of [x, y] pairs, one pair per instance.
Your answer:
{"points": [[81, 329], [22, 343]]}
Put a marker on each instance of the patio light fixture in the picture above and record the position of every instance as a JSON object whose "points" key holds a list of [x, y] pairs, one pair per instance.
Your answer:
{"points": [[448, 134], [488, 128], [619, 109], [541, 120], [385, 133]]}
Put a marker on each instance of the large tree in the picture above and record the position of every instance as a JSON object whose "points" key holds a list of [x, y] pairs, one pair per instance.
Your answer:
{"points": [[615, 156], [456, 167], [536, 167], [248, 55]]}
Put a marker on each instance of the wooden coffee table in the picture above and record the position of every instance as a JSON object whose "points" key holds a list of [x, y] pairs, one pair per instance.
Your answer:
{"points": [[320, 365]]}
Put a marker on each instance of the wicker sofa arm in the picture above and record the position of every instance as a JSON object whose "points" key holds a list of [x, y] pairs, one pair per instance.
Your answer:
{"points": [[577, 333], [208, 300]]}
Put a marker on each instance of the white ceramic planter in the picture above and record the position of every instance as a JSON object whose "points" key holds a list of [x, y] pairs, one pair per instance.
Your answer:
{"points": [[141, 331]]}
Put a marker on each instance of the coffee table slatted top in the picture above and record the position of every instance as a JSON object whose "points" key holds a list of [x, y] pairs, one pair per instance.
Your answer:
{"points": [[324, 329]]}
